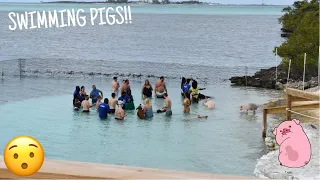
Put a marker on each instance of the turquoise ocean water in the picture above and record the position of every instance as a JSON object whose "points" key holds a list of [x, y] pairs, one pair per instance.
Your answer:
{"points": [[152, 9], [41, 68]]}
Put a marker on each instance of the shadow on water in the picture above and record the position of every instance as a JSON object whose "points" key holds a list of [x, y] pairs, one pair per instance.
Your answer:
{"points": [[248, 117]]}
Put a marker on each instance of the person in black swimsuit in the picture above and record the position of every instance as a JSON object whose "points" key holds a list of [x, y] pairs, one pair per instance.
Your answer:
{"points": [[147, 89]]}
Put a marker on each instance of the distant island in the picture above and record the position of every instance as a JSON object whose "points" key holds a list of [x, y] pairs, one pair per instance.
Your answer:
{"points": [[135, 2], [155, 2]]}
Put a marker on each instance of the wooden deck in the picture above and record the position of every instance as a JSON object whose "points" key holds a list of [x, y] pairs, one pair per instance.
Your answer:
{"points": [[296, 100], [57, 169]]}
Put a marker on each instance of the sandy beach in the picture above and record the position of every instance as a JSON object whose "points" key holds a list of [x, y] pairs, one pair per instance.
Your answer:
{"points": [[53, 169], [6, 174]]}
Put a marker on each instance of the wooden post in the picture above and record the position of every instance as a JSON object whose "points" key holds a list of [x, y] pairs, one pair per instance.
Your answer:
{"points": [[276, 65], [264, 130], [304, 69], [289, 98]]}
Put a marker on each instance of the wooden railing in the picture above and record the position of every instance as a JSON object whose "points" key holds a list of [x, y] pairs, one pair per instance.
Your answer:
{"points": [[293, 95]]}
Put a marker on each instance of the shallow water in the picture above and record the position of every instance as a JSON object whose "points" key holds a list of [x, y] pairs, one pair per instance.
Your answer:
{"points": [[228, 142], [209, 43]]}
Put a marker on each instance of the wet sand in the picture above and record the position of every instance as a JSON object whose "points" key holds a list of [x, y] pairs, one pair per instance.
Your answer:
{"points": [[6, 174], [58, 169]]}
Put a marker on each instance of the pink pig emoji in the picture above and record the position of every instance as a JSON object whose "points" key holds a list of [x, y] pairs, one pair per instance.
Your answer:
{"points": [[295, 148]]}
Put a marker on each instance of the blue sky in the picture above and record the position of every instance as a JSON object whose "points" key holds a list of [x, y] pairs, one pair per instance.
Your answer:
{"points": [[277, 2]]}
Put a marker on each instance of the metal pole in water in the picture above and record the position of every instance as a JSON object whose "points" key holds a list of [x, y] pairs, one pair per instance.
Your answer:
{"points": [[276, 64], [304, 68], [245, 67], [19, 61]]}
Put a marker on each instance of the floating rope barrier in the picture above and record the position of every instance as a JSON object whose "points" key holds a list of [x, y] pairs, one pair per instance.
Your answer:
{"points": [[294, 112]]}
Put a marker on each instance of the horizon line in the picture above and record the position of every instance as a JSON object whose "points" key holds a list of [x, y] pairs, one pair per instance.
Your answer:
{"points": [[60, 2]]}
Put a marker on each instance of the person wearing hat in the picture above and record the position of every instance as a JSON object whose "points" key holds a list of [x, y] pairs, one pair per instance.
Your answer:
{"points": [[123, 99]]}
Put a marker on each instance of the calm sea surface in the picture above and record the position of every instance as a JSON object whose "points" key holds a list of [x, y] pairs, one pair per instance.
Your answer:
{"points": [[39, 69]]}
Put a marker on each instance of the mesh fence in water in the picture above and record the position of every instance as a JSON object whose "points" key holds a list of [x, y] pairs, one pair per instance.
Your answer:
{"points": [[69, 68]]}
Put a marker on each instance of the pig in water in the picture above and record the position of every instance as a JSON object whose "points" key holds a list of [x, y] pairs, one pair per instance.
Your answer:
{"points": [[295, 148], [250, 107], [209, 103]]}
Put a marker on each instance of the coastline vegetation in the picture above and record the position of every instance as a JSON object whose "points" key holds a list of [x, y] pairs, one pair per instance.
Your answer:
{"points": [[300, 24], [136, 2]]}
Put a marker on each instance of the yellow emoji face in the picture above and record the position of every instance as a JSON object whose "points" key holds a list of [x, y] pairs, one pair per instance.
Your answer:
{"points": [[23, 155]]}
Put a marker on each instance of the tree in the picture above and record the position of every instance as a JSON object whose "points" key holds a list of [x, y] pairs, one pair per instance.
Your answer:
{"points": [[302, 22]]}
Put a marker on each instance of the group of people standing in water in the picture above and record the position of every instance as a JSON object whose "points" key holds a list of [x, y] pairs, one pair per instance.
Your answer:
{"points": [[117, 105]]}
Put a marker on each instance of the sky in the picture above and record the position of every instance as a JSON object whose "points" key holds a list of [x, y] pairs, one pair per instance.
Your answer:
{"points": [[275, 2]]}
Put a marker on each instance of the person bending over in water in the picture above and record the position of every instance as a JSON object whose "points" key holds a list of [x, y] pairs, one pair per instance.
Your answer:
{"points": [[99, 99], [147, 109], [123, 99], [166, 108], [104, 109], [112, 103], [186, 104], [129, 105], [160, 88], [86, 105], [194, 90], [125, 87], [76, 104], [95, 93], [147, 89], [119, 114], [115, 86]]}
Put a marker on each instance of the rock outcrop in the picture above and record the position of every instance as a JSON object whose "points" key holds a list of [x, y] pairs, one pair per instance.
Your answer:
{"points": [[266, 78]]}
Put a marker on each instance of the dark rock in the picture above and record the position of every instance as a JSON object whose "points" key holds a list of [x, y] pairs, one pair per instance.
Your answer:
{"points": [[286, 30], [313, 126], [279, 86], [264, 78]]}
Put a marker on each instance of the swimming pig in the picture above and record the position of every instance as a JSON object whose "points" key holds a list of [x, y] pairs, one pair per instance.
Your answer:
{"points": [[140, 112], [250, 107], [209, 103], [295, 148]]}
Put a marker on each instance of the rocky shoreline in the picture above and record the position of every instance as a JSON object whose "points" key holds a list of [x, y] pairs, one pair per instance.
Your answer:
{"points": [[266, 78]]}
